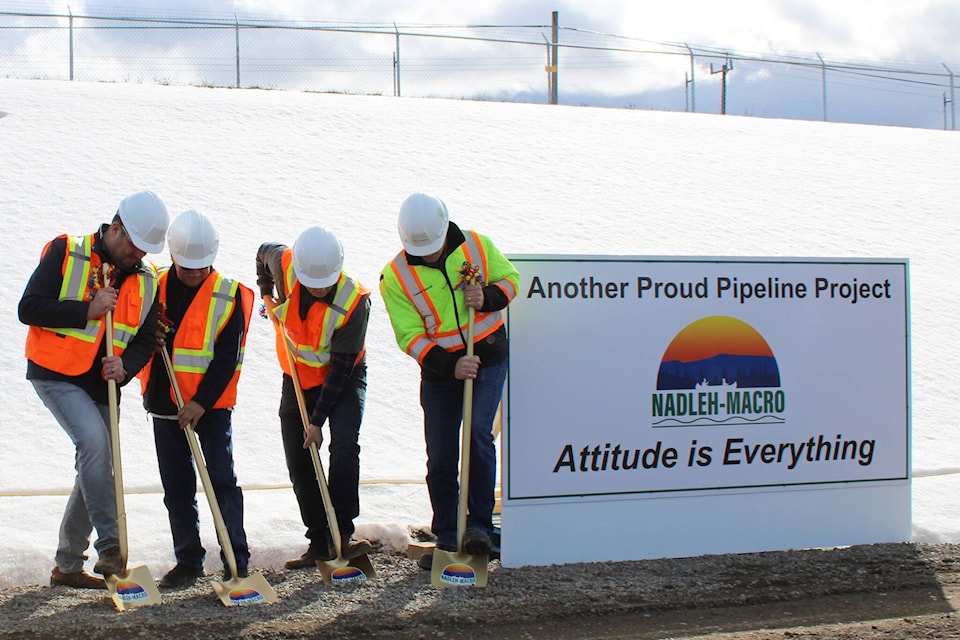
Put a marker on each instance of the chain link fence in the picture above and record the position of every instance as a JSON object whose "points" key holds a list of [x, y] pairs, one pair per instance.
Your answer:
{"points": [[519, 63]]}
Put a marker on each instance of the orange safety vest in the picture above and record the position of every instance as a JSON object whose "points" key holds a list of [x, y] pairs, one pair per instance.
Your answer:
{"points": [[196, 336], [70, 351], [310, 339]]}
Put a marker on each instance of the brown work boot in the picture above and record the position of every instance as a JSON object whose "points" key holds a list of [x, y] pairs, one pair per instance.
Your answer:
{"points": [[306, 561], [356, 548], [110, 562], [77, 580]]}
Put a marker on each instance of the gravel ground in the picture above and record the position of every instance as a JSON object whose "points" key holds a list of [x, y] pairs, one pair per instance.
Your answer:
{"points": [[890, 591]]}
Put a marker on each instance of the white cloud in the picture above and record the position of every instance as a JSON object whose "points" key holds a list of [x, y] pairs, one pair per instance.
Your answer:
{"points": [[922, 30], [848, 29]]}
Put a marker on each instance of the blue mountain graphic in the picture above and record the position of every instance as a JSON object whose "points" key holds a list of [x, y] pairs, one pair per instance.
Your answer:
{"points": [[749, 372]]}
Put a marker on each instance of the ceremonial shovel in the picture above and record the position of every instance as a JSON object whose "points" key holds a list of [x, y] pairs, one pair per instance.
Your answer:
{"points": [[459, 569], [254, 589], [131, 587], [340, 570]]}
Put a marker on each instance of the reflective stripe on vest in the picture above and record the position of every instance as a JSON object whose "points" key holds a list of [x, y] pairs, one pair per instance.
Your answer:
{"points": [[76, 278], [211, 308], [222, 299], [124, 333], [312, 342], [71, 351], [484, 323], [334, 317]]}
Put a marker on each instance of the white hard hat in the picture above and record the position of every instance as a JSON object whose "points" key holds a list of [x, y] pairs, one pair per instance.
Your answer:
{"points": [[423, 224], [317, 258], [145, 218], [192, 240]]}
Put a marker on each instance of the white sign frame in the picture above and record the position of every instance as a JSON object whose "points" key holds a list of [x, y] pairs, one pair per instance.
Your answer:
{"points": [[610, 453]]}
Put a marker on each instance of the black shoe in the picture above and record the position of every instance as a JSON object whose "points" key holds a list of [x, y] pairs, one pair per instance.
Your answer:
{"points": [[181, 576], [109, 562], [242, 572], [476, 542]]}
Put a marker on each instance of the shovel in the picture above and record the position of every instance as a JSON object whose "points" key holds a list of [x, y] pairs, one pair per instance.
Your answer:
{"points": [[340, 570], [459, 569], [131, 587], [254, 589]]}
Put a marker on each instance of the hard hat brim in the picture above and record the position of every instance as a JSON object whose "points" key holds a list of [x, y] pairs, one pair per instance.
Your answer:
{"points": [[315, 283], [147, 247], [186, 263], [424, 250]]}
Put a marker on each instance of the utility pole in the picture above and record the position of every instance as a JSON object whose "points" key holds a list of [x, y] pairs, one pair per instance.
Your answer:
{"points": [[945, 101], [727, 66]]}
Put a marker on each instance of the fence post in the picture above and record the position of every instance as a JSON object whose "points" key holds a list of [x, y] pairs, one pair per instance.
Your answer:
{"points": [[547, 67], [554, 62], [823, 83], [953, 110], [71, 41], [236, 33], [693, 84], [396, 63]]}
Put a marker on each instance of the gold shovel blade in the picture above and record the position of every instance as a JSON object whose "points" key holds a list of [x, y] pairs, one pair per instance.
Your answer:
{"points": [[451, 569], [241, 592], [343, 571], [132, 588]]}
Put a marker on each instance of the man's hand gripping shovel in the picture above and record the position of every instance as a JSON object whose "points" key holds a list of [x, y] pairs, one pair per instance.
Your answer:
{"points": [[459, 569], [340, 570], [131, 587], [254, 589]]}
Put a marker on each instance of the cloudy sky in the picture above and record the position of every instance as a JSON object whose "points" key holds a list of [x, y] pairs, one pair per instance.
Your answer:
{"points": [[917, 38], [919, 30]]}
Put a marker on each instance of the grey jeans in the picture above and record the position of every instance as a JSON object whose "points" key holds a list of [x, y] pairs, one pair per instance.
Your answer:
{"points": [[92, 502]]}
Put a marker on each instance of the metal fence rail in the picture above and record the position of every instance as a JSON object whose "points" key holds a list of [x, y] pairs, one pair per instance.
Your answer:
{"points": [[520, 63]]}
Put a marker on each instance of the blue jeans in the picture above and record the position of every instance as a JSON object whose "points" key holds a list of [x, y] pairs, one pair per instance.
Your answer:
{"points": [[343, 474], [92, 502], [179, 480], [442, 403]]}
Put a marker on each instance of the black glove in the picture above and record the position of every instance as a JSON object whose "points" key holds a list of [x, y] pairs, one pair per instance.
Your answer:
{"points": [[264, 279]]}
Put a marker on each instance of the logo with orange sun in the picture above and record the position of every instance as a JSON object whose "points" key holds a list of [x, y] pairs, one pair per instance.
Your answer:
{"points": [[718, 370]]}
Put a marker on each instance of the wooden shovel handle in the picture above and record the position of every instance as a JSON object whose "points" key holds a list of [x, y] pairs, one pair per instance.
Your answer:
{"points": [[114, 405], [465, 438]]}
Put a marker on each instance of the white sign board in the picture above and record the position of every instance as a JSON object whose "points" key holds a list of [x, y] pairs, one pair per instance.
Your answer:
{"points": [[663, 407]]}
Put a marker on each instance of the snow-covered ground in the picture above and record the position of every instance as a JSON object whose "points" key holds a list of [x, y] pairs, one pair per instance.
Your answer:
{"points": [[537, 179]]}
